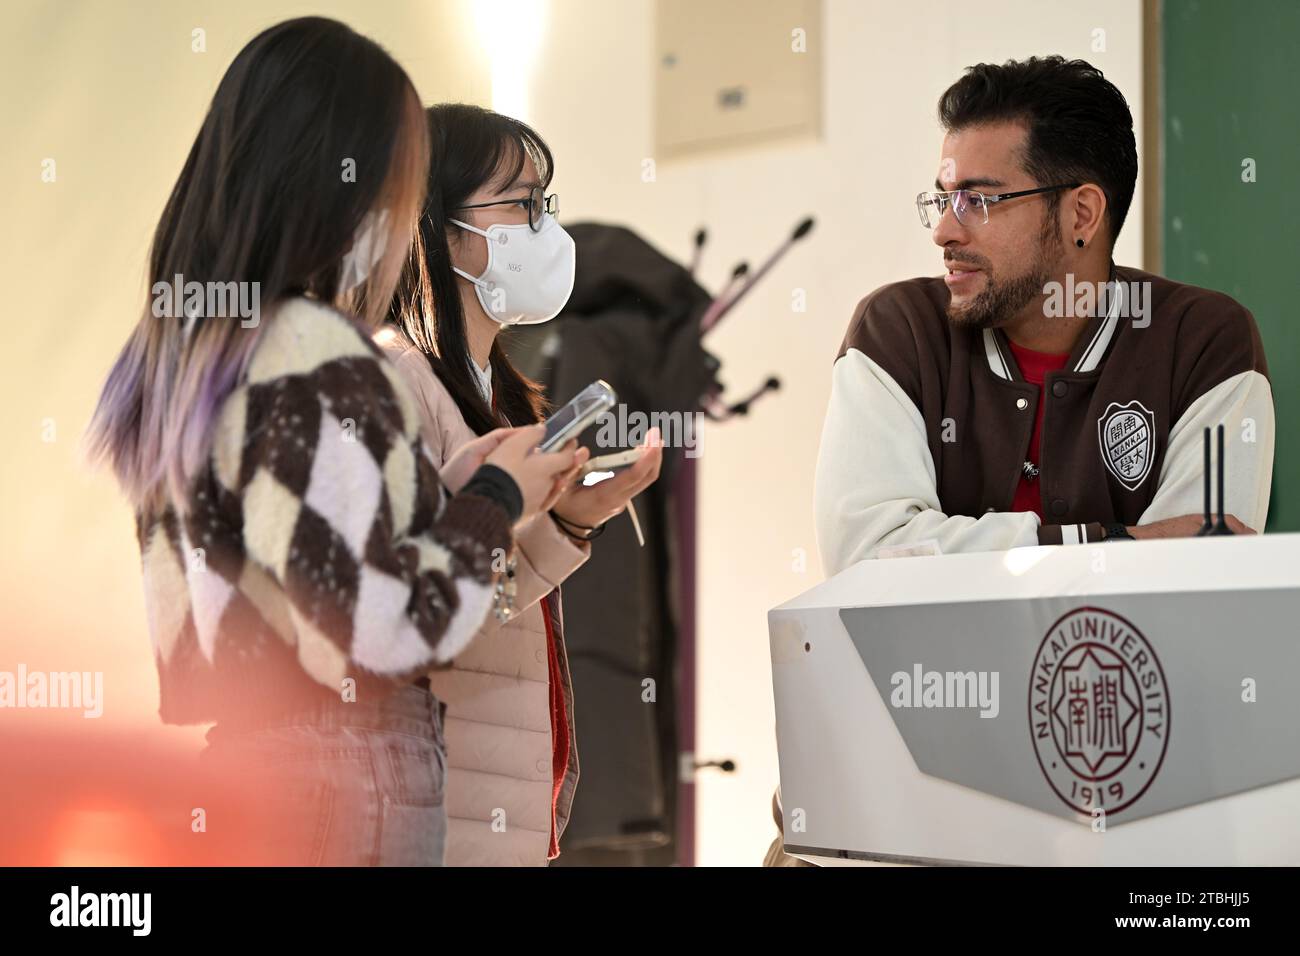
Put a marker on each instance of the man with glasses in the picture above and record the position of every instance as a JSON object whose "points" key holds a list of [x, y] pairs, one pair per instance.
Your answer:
{"points": [[1036, 393]]}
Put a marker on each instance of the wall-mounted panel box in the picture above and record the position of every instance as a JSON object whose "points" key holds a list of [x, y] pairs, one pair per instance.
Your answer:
{"points": [[734, 72]]}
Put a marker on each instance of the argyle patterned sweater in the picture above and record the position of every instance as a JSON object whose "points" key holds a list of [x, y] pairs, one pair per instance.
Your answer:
{"points": [[317, 545]]}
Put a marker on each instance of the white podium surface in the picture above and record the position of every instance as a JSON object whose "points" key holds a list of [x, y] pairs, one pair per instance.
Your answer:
{"points": [[1141, 702]]}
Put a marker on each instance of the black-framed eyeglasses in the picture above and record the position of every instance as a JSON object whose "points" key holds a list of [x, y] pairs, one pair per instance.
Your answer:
{"points": [[970, 206], [536, 204]]}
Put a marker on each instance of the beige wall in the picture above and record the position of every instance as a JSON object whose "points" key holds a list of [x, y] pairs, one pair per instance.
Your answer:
{"points": [[886, 64], [114, 94]]}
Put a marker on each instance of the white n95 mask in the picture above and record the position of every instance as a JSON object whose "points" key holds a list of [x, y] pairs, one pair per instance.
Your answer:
{"points": [[529, 275], [368, 246]]}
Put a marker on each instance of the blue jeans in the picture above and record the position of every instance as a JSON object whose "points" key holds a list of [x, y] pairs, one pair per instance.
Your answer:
{"points": [[339, 785]]}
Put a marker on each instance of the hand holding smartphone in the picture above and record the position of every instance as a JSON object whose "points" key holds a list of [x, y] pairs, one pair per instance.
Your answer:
{"points": [[615, 462], [578, 414]]}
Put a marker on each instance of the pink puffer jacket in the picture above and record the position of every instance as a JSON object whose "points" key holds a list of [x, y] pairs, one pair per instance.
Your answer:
{"points": [[498, 727]]}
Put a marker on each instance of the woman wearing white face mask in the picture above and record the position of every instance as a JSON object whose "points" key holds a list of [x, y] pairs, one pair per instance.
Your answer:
{"points": [[302, 567], [492, 255]]}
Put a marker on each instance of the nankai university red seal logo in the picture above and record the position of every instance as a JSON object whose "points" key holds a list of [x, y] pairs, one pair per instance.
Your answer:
{"points": [[1127, 435], [1098, 710]]}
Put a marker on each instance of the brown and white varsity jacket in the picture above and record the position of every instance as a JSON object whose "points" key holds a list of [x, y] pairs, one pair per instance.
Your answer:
{"points": [[929, 425]]}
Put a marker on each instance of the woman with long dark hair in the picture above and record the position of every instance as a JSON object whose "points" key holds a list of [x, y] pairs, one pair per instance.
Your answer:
{"points": [[491, 255], [302, 566]]}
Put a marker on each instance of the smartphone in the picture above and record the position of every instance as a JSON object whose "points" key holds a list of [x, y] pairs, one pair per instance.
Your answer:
{"points": [[615, 462], [581, 411]]}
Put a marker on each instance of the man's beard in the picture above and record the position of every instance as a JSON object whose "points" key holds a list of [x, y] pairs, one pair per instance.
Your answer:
{"points": [[999, 301]]}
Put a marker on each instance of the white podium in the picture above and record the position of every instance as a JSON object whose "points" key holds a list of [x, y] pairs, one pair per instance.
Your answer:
{"points": [[1112, 704]]}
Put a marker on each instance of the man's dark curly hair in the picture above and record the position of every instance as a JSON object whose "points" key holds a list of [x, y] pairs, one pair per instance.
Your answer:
{"points": [[1079, 125]]}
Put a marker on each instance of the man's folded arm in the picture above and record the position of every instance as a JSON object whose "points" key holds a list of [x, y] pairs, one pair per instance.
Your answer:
{"points": [[876, 484], [1243, 404]]}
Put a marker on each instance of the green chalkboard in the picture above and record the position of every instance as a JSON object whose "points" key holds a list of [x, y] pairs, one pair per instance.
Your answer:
{"points": [[1231, 82]]}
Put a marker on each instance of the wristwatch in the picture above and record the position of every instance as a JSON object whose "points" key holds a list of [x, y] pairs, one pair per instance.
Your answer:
{"points": [[1117, 532]]}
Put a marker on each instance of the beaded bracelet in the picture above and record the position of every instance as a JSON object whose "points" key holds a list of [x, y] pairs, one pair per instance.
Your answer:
{"points": [[565, 524]]}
